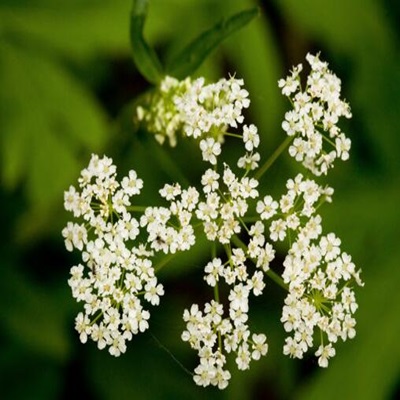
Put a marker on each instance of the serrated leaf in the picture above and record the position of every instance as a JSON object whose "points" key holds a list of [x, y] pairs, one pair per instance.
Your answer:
{"points": [[192, 56], [144, 56]]}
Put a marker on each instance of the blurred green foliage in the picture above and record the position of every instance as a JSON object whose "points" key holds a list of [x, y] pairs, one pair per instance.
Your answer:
{"points": [[67, 83]]}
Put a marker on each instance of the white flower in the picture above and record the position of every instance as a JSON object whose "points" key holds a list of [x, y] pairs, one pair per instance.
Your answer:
{"points": [[118, 345], [209, 180], [257, 283], [101, 335], [238, 298], [131, 184], [82, 325], [243, 357], [278, 230], [324, 353], [290, 125], [153, 291], [251, 138], [204, 373], [210, 150], [291, 83], [292, 348], [330, 246], [343, 145], [259, 346], [170, 192], [249, 161], [316, 111], [213, 270], [267, 207]]}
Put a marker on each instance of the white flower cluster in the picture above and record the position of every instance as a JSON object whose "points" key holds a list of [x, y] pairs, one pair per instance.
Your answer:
{"points": [[209, 329], [223, 207], [215, 333], [158, 112], [202, 111], [212, 107], [317, 275], [169, 229], [300, 202], [116, 272], [316, 111]]}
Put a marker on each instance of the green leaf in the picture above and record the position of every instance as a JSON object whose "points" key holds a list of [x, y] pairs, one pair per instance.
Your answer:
{"points": [[43, 377], [33, 316], [48, 121], [192, 56], [368, 367], [78, 29], [144, 56]]}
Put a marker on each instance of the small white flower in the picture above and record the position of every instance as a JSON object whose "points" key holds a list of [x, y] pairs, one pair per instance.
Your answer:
{"points": [[209, 180], [213, 270], [170, 192], [82, 325], [251, 138], [131, 184], [118, 345], [153, 291], [259, 346], [243, 357], [278, 230], [292, 348], [324, 353], [210, 150], [267, 207]]}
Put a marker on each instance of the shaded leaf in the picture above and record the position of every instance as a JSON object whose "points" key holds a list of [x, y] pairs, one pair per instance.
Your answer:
{"points": [[368, 367], [144, 56], [192, 56], [33, 317], [48, 120], [78, 29], [42, 377]]}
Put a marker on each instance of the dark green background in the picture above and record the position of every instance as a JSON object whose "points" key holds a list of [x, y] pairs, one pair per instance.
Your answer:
{"points": [[66, 81]]}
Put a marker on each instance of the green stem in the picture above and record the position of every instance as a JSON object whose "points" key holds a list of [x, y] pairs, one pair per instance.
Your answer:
{"points": [[328, 140], [264, 168], [236, 135], [216, 292], [237, 242], [164, 261], [277, 279], [96, 318], [251, 220], [136, 208], [213, 250]]}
